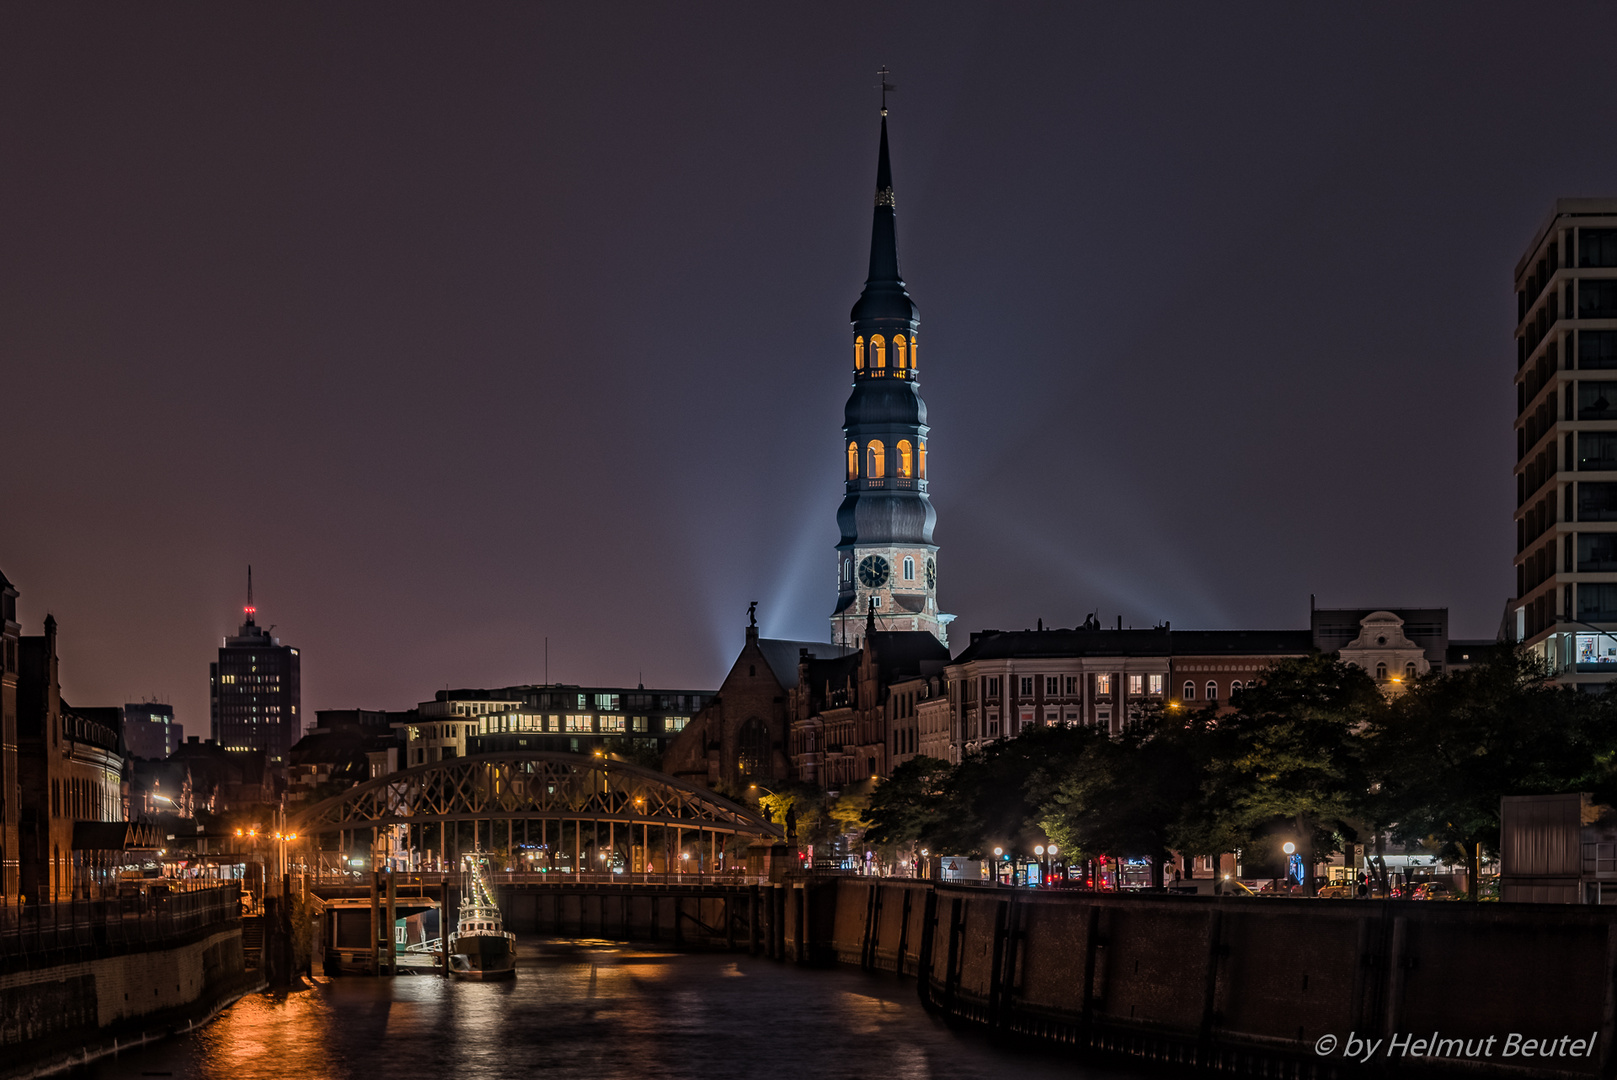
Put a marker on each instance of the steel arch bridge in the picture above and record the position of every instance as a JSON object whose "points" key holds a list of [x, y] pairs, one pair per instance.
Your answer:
{"points": [[531, 787]]}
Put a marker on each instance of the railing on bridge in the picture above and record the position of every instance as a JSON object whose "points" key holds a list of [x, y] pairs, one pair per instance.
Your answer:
{"points": [[33, 930], [408, 883]]}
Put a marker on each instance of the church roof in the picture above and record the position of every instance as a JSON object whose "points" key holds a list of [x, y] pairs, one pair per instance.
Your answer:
{"points": [[781, 655]]}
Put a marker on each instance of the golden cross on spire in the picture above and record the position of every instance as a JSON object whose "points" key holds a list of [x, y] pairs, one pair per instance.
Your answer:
{"points": [[886, 87]]}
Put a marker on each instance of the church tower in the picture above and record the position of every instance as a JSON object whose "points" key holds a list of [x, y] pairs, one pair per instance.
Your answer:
{"points": [[887, 564]]}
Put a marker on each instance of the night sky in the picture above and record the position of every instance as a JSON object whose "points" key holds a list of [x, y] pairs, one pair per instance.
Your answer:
{"points": [[469, 325]]}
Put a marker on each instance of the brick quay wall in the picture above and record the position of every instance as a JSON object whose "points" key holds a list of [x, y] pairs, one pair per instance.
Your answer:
{"points": [[1247, 986], [1222, 984], [104, 980]]}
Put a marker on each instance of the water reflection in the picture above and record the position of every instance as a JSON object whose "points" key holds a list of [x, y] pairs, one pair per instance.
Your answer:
{"points": [[588, 1010]]}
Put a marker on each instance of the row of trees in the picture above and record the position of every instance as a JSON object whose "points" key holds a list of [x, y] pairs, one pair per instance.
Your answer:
{"points": [[1315, 754]]}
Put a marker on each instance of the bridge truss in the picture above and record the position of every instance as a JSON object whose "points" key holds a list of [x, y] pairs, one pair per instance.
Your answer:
{"points": [[535, 802]]}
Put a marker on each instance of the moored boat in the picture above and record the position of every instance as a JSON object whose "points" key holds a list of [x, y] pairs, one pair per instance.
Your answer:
{"points": [[480, 948]]}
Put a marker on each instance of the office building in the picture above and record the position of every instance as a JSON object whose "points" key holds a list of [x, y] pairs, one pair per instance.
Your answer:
{"points": [[631, 722], [254, 691], [149, 730], [1565, 607]]}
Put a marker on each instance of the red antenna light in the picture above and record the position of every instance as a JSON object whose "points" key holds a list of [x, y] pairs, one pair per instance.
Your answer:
{"points": [[250, 610]]}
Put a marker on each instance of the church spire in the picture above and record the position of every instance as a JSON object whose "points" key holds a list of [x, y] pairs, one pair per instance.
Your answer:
{"points": [[885, 297], [884, 230], [887, 562]]}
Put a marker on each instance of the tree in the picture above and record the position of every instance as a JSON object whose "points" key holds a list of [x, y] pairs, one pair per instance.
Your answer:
{"points": [[1450, 747], [1291, 755], [1126, 795], [911, 806], [995, 797]]}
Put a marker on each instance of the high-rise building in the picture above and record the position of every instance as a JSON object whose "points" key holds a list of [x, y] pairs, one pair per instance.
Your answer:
{"points": [[255, 690], [149, 730], [886, 558], [1565, 608]]}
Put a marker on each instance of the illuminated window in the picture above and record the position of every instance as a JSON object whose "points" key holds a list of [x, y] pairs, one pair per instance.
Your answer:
{"points": [[878, 351], [921, 464], [580, 723], [901, 351], [611, 723], [909, 568], [906, 458], [1155, 683], [675, 723], [859, 354], [853, 461], [875, 460], [1103, 685], [913, 347], [1136, 684]]}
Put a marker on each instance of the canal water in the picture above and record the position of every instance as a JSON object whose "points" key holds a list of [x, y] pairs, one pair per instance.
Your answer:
{"points": [[590, 1010]]}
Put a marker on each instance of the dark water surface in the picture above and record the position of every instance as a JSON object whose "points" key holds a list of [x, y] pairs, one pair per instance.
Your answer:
{"points": [[589, 1010]]}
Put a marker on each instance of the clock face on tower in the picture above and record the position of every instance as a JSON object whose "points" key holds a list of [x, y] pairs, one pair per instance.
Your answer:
{"points": [[873, 572], [931, 574]]}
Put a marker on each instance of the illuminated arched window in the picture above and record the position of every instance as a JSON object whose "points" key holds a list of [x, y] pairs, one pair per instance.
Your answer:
{"points": [[859, 354], [915, 361], [921, 464], [901, 351], [853, 461], [906, 458], [875, 460], [878, 351]]}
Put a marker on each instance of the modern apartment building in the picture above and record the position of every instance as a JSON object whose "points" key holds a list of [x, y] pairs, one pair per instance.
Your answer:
{"points": [[1565, 608]]}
